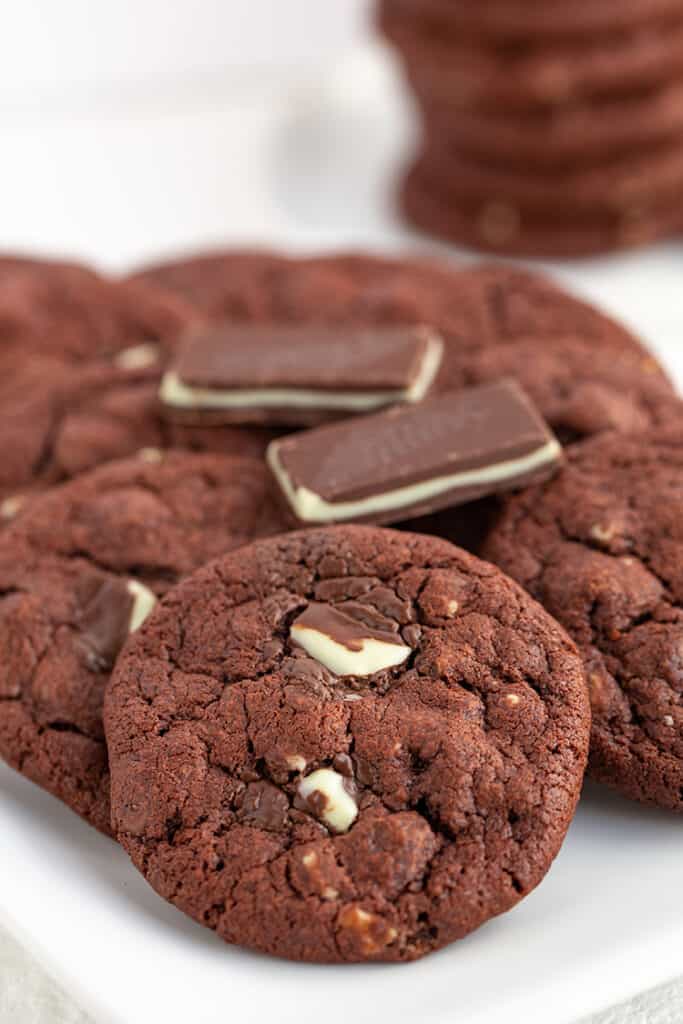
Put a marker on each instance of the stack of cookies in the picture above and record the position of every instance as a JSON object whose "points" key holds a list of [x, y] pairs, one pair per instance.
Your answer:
{"points": [[549, 129], [323, 738]]}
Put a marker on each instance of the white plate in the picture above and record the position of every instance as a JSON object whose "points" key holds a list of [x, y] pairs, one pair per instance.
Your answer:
{"points": [[608, 920]]}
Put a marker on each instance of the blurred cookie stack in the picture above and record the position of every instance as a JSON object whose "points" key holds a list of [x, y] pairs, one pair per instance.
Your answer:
{"points": [[550, 129]]}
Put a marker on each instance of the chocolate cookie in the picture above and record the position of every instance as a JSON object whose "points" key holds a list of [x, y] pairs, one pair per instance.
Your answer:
{"points": [[485, 314], [434, 204], [601, 546], [80, 364], [480, 75], [576, 133], [520, 20], [382, 746], [79, 569], [619, 187], [225, 284]]}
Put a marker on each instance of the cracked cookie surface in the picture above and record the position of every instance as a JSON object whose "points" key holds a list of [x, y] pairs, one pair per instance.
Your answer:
{"points": [[377, 814], [71, 567], [80, 361], [601, 547], [585, 372]]}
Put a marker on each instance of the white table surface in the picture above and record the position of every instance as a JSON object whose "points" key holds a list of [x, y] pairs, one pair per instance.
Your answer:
{"points": [[309, 169]]}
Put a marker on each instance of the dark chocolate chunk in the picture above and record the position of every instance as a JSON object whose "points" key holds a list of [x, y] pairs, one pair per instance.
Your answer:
{"points": [[264, 806]]}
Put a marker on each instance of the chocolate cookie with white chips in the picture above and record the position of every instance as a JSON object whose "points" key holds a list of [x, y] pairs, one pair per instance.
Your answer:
{"points": [[80, 571], [382, 746]]}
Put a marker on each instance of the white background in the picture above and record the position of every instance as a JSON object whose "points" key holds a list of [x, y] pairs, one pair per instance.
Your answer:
{"points": [[132, 129]]}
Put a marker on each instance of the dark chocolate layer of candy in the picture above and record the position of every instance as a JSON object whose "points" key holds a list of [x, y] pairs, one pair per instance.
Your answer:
{"points": [[106, 621], [411, 460]]}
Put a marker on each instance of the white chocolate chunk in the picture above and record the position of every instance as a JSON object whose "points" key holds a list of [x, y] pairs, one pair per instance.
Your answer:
{"points": [[310, 507], [296, 762], [373, 656], [151, 455], [137, 357], [174, 392], [143, 603], [339, 810], [668, 720], [601, 533], [10, 507]]}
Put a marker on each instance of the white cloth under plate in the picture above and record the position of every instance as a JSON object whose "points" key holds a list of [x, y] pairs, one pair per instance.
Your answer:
{"points": [[27, 994], [662, 1005]]}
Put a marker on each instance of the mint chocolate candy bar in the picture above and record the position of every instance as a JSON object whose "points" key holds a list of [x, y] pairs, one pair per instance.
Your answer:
{"points": [[297, 375], [412, 460]]}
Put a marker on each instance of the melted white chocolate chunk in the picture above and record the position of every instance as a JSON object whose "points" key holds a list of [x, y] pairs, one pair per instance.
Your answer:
{"points": [[337, 809], [373, 655]]}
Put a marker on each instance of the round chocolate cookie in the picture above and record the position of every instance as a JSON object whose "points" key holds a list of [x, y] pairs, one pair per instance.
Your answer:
{"points": [[432, 202], [495, 321], [80, 362], [601, 546], [520, 20], [587, 131], [381, 747], [79, 569], [620, 187]]}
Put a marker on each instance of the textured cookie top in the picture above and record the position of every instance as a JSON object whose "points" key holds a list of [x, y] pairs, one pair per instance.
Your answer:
{"points": [[79, 569], [346, 744], [71, 313], [601, 546], [80, 362], [585, 371]]}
